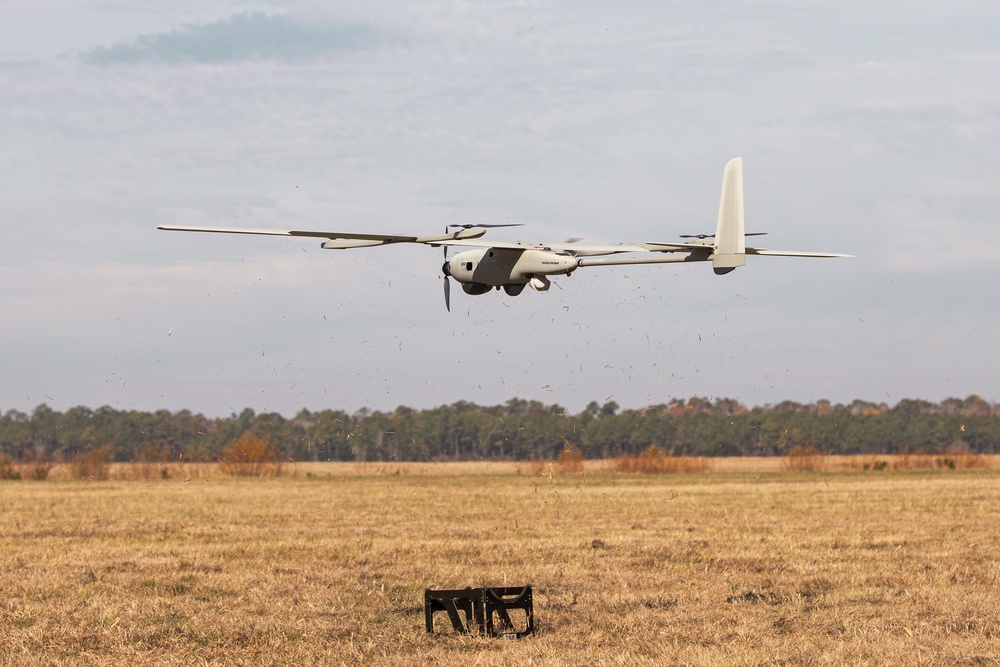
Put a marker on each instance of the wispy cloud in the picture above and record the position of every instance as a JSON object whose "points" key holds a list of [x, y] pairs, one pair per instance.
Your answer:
{"points": [[246, 36]]}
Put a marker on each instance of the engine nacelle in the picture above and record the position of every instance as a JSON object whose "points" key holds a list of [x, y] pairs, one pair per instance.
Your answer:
{"points": [[475, 289]]}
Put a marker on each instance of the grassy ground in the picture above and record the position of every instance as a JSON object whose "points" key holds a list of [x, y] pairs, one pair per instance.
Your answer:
{"points": [[748, 567]]}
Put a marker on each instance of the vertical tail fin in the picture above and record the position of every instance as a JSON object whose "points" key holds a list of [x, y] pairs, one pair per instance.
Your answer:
{"points": [[730, 239]]}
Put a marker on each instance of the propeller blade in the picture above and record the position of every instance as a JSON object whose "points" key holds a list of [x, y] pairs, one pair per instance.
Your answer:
{"points": [[445, 272], [712, 236], [513, 224]]}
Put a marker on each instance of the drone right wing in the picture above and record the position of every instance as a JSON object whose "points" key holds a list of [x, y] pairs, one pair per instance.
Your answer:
{"points": [[340, 240]]}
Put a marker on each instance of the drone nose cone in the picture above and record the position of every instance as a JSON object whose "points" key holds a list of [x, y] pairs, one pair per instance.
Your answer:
{"points": [[446, 268]]}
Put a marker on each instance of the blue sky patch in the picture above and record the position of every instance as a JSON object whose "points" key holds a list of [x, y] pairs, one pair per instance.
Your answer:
{"points": [[247, 36]]}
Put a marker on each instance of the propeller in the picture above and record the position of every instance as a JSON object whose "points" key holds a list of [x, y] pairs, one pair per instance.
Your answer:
{"points": [[712, 236], [510, 224], [447, 292], [446, 270]]}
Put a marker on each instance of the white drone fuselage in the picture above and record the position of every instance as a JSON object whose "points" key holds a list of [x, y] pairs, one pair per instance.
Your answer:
{"points": [[484, 268]]}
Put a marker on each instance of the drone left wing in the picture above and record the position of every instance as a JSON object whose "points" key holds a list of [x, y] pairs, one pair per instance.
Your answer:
{"points": [[340, 240]]}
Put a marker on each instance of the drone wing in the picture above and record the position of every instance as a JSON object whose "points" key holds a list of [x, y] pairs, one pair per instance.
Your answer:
{"points": [[339, 240]]}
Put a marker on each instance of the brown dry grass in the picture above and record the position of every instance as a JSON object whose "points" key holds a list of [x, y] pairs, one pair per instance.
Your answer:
{"points": [[569, 461], [748, 567], [656, 461], [250, 456], [94, 464], [8, 470], [539, 467], [804, 458]]}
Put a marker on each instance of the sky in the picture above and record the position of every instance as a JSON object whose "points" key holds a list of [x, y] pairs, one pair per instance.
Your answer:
{"points": [[866, 128]]}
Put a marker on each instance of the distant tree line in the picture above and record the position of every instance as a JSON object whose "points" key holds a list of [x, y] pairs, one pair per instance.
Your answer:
{"points": [[516, 430]]}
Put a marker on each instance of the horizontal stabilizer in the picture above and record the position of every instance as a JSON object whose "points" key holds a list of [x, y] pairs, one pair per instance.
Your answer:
{"points": [[793, 253]]}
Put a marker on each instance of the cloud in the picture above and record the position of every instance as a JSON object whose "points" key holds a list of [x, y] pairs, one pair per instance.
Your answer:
{"points": [[246, 36]]}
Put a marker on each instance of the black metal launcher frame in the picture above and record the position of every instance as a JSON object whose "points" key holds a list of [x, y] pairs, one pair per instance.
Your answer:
{"points": [[486, 610]]}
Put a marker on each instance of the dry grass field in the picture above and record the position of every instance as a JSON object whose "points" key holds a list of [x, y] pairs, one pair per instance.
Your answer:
{"points": [[746, 564]]}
